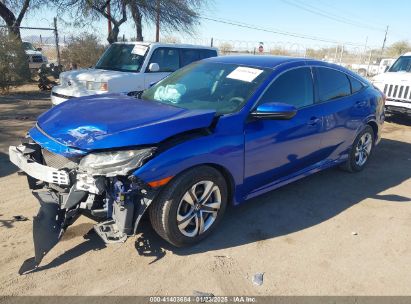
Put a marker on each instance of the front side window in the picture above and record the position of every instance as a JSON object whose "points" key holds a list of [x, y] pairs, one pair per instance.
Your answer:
{"points": [[332, 84], [122, 57], [224, 88], [403, 64], [167, 58], [294, 87]]}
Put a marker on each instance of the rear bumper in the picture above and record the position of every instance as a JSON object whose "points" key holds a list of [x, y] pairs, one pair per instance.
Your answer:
{"points": [[36, 170]]}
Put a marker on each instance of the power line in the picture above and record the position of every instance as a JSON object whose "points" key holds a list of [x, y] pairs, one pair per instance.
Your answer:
{"points": [[326, 14], [276, 31]]}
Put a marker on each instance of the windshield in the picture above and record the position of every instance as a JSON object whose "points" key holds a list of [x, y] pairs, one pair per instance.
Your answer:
{"points": [[27, 46], [403, 64], [122, 57], [224, 88]]}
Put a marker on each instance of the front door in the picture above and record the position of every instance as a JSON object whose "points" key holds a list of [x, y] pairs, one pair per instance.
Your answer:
{"points": [[275, 149], [168, 60]]}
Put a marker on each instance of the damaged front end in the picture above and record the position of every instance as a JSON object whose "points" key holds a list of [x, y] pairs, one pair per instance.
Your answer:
{"points": [[97, 185]]}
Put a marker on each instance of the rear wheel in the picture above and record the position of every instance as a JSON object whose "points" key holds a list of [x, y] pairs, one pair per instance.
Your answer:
{"points": [[361, 151], [190, 207]]}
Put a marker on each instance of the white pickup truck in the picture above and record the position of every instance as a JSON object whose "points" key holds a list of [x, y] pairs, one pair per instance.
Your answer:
{"points": [[34, 56], [396, 85], [128, 67], [372, 69]]}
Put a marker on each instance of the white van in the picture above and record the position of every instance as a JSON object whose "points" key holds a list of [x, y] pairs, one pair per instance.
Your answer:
{"points": [[396, 85], [128, 67]]}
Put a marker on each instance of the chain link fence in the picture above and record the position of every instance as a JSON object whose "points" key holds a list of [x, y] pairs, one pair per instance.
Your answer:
{"points": [[362, 59]]}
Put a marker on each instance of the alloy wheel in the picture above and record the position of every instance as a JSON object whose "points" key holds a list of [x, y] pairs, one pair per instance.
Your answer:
{"points": [[198, 208], [363, 149]]}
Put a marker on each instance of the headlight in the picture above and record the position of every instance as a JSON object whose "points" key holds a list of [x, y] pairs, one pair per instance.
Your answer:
{"points": [[114, 163], [96, 86]]}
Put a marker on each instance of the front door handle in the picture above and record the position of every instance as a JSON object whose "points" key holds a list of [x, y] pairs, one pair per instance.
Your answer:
{"points": [[313, 121]]}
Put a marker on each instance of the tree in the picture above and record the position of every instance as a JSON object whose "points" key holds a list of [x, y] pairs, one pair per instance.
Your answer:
{"points": [[87, 11], [138, 18], [225, 48], [14, 67], [174, 15], [12, 12], [399, 48]]}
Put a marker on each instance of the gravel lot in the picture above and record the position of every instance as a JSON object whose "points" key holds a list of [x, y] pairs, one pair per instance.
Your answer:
{"points": [[333, 233]]}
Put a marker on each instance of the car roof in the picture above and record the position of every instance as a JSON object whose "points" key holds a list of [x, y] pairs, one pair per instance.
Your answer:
{"points": [[407, 54], [176, 45], [266, 61]]}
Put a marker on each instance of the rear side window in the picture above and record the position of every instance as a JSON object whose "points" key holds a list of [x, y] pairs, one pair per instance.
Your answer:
{"points": [[356, 85], [167, 58], [332, 84], [294, 87], [188, 56], [207, 54]]}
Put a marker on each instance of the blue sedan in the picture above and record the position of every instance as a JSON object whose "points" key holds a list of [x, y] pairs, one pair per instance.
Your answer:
{"points": [[217, 132]]}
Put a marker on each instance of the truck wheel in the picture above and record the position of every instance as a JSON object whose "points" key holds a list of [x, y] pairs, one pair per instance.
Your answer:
{"points": [[190, 207], [361, 151]]}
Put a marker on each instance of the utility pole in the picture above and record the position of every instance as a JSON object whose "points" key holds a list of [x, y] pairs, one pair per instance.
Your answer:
{"points": [[158, 22], [385, 40], [109, 17], [56, 36]]}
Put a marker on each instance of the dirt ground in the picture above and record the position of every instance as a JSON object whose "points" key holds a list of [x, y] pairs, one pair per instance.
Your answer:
{"points": [[333, 233]]}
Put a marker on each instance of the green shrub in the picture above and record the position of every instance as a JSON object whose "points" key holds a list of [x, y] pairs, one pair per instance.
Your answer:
{"points": [[82, 51], [14, 68]]}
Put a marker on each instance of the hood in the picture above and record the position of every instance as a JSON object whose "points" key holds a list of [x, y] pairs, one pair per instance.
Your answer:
{"points": [[96, 75], [114, 121], [393, 77]]}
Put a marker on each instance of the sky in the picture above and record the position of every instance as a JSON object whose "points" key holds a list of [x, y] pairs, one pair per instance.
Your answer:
{"points": [[357, 23]]}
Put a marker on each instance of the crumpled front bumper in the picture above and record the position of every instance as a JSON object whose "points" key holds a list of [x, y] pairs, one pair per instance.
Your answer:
{"points": [[51, 220], [116, 203], [20, 157]]}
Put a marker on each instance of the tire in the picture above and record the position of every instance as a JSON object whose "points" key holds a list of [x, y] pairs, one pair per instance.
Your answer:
{"points": [[176, 214], [363, 146]]}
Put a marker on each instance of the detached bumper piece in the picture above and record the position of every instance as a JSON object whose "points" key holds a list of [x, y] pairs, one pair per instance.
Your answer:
{"points": [[20, 156], [47, 225]]}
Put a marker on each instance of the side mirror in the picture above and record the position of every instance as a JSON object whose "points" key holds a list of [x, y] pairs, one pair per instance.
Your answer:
{"points": [[39, 49], [274, 110], [154, 67]]}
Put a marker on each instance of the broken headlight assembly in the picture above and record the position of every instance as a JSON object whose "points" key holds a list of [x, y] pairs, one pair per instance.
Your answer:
{"points": [[114, 163]]}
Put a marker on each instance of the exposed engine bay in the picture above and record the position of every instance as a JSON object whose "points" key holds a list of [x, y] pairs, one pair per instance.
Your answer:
{"points": [[69, 187]]}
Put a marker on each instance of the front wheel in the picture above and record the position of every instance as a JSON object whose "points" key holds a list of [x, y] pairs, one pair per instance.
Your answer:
{"points": [[361, 151], [190, 207]]}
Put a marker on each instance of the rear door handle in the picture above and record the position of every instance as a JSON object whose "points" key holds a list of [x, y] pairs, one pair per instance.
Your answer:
{"points": [[313, 121]]}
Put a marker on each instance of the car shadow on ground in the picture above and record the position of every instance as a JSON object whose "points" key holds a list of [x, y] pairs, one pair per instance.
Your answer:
{"points": [[295, 207], [6, 167], [298, 206]]}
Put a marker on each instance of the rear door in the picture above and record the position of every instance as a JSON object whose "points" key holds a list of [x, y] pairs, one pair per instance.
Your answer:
{"points": [[343, 107], [275, 149]]}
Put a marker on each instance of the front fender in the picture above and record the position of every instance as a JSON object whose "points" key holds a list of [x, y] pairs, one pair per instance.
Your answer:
{"points": [[225, 151]]}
